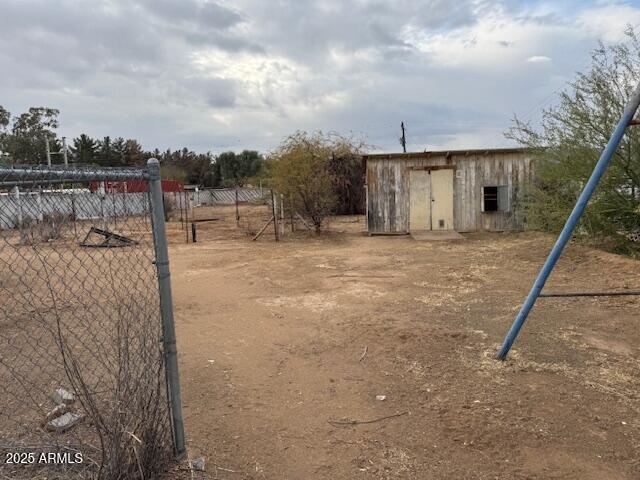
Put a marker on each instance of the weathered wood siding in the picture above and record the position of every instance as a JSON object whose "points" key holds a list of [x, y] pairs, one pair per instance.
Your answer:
{"points": [[388, 189]]}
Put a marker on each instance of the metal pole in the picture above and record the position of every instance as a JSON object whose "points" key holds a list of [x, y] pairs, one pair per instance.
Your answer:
{"points": [[124, 202], [115, 212], [64, 151], [293, 227], [46, 142], [237, 212], [186, 216], [16, 192], [73, 212], [166, 307], [275, 215], [572, 221], [282, 215], [39, 204], [181, 197], [103, 194], [631, 293], [42, 176]]}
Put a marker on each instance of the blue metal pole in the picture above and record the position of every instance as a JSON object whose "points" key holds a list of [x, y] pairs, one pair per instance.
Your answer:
{"points": [[571, 223]]}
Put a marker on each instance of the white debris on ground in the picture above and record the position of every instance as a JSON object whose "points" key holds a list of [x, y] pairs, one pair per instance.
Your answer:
{"points": [[63, 396], [62, 417], [64, 422]]}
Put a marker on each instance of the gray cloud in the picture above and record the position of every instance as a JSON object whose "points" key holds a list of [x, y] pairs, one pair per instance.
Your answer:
{"points": [[207, 15], [224, 74]]}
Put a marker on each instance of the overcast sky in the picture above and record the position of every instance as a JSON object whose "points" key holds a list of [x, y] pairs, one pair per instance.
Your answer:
{"points": [[220, 75]]}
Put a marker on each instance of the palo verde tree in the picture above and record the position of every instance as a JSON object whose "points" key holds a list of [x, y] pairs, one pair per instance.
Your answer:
{"points": [[319, 174], [569, 141]]}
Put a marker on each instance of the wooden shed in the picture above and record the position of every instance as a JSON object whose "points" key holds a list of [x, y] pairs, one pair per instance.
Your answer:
{"points": [[461, 190]]}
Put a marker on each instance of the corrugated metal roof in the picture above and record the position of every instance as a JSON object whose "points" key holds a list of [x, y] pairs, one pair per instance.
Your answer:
{"points": [[447, 153]]}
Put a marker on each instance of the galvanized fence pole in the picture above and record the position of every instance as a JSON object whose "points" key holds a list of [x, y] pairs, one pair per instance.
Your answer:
{"points": [[237, 211], [274, 209], [166, 306], [572, 221]]}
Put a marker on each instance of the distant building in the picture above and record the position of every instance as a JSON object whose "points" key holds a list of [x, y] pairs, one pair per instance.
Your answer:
{"points": [[134, 186], [460, 190]]}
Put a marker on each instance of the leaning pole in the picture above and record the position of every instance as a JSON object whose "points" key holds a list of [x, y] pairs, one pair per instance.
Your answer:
{"points": [[572, 221]]}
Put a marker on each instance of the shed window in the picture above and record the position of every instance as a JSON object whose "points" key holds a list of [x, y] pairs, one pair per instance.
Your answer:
{"points": [[495, 198]]}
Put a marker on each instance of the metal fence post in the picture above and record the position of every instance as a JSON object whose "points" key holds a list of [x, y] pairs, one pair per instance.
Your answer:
{"points": [[166, 306]]}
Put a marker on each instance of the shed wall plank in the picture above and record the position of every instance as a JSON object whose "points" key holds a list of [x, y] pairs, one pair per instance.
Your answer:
{"points": [[388, 190]]}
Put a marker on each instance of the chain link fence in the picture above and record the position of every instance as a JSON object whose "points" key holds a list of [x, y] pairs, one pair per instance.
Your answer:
{"points": [[84, 345], [232, 213]]}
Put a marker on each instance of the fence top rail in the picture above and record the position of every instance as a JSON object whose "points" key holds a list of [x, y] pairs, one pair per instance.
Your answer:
{"points": [[21, 174]]}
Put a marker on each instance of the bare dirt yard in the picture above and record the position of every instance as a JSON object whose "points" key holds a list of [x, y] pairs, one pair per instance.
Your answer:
{"points": [[283, 347]]}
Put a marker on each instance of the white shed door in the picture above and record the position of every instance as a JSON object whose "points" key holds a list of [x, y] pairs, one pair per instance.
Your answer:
{"points": [[431, 200], [419, 200], [442, 199]]}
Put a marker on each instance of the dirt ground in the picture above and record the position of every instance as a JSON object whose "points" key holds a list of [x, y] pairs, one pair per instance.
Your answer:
{"points": [[282, 346]]}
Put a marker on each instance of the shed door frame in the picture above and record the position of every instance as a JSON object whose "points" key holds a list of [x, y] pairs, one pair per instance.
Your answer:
{"points": [[442, 207]]}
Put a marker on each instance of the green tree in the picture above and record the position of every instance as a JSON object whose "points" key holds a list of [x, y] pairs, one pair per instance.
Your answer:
{"points": [[133, 153], [5, 120], [26, 144], [171, 171], [201, 170], [105, 155], [235, 169], [345, 167], [118, 148], [300, 171], [568, 144], [187, 166], [85, 149]]}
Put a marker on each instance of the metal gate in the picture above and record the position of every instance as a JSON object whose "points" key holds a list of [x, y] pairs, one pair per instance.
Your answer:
{"points": [[89, 381]]}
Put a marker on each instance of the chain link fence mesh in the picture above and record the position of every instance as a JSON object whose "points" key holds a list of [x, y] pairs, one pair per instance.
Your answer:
{"points": [[83, 391]]}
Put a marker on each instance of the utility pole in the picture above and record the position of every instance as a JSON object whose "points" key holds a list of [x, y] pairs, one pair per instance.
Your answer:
{"points": [[403, 139], [46, 142], [64, 151]]}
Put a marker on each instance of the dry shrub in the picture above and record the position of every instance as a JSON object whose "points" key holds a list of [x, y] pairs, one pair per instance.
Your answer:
{"points": [[33, 231], [124, 397], [249, 227], [169, 205]]}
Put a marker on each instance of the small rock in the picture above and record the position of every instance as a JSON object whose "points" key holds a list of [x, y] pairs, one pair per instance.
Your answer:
{"points": [[64, 422], [381, 397], [62, 396], [198, 464]]}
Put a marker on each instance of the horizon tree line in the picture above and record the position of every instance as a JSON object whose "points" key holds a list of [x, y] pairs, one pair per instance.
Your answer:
{"points": [[23, 141]]}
